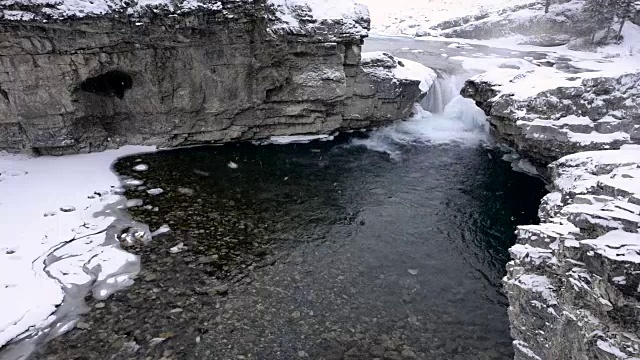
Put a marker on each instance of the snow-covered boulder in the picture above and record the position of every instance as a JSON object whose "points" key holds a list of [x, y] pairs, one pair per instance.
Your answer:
{"points": [[573, 283]]}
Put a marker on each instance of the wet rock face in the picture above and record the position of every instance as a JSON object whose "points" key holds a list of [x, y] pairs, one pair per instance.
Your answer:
{"points": [[595, 114], [573, 281], [210, 75]]}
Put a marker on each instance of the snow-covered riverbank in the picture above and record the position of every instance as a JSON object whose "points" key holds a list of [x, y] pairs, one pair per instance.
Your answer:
{"points": [[55, 213]]}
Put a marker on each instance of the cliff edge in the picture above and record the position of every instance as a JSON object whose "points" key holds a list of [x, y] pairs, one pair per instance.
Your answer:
{"points": [[79, 76]]}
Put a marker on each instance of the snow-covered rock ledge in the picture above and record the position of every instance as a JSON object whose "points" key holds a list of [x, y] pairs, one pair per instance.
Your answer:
{"points": [[573, 283], [146, 73], [546, 114]]}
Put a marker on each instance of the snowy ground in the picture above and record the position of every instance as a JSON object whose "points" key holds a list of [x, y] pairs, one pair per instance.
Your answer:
{"points": [[53, 238], [404, 17]]}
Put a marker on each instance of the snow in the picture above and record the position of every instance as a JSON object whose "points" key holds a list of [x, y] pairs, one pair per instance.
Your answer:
{"points": [[156, 191], [402, 69], [352, 15], [141, 167], [296, 139], [412, 70], [523, 85], [539, 284], [522, 346], [407, 16], [617, 245], [40, 255], [161, 230], [83, 8], [608, 347], [533, 254], [596, 137], [577, 171]]}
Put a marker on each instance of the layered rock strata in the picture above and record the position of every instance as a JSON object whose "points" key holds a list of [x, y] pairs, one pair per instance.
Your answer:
{"points": [[185, 74], [545, 114], [573, 283]]}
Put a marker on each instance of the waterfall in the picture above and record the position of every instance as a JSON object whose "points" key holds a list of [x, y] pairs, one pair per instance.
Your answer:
{"points": [[442, 117], [446, 88]]}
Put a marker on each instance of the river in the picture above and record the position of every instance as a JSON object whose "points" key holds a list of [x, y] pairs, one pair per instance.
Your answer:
{"points": [[389, 244]]}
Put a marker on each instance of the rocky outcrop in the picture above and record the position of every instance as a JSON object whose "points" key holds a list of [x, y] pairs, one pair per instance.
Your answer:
{"points": [[573, 284], [526, 20], [184, 74], [545, 114]]}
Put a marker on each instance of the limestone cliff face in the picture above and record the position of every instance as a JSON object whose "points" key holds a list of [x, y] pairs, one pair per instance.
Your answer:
{"points": [[208, 75], [573, 282], [593, 113]]}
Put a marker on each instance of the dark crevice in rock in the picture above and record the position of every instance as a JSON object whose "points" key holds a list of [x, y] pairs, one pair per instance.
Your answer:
{"points": [[4, 94], [111, 83], [272, 93]]}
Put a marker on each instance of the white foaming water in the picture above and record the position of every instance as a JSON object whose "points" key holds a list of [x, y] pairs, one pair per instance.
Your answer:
{"points": [[442, 92], [452, 120]]}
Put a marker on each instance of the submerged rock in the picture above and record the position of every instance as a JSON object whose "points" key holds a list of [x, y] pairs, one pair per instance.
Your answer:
{"points": [[184, 73]]}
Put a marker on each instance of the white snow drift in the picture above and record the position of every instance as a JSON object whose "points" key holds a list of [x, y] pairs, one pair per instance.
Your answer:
{"points": [[53, 223]]}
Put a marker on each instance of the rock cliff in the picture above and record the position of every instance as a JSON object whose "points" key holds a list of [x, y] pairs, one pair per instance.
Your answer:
{"points": [[546, 114], [573, 283], [182, 73]]}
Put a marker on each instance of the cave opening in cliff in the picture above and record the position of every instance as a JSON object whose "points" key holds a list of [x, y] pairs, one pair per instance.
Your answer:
{"points": [[111, 83]]}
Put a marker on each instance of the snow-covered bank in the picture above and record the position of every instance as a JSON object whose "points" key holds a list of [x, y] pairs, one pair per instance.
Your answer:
{"points": [[55, 213], [408, 17], [384, 64]]}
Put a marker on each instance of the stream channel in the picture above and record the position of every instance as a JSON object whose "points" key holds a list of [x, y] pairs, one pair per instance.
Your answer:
{"points": [[389, 244]]}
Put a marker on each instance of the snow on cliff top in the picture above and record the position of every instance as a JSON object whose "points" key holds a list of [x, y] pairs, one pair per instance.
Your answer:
{"points": [[60, 9], [353, 17], [384, 63]]}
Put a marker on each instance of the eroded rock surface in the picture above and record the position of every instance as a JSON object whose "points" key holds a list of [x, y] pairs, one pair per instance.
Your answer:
{"points": [[573, 282], [207, 73], [545, 114]]}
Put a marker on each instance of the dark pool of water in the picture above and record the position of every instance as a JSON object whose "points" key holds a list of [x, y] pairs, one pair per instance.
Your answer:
{"points": [[327, 251]]}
